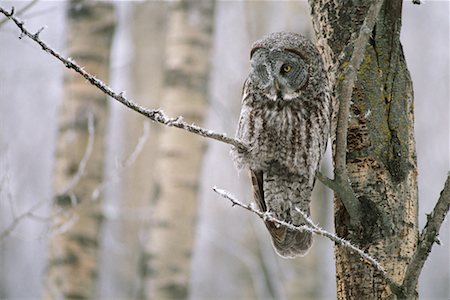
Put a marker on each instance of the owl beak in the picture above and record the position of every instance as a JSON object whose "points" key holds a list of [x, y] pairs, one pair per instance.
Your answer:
{"points": [[276, 84]]}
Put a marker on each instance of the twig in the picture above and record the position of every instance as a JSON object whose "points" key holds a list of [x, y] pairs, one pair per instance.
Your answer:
{"points": [[65, 191], [124, 164], [156, 115], [84, 160], [20, 12], [312, 228], [426, 240], [17, 220], [249, 260], [348, 83], [139, 146]]}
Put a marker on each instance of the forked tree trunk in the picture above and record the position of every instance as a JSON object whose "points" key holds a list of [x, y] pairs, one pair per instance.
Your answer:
{"points": [[179, 158], [72, 264], [381, 157]]}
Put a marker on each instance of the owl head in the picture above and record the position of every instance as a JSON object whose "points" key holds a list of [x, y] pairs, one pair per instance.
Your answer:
{"points": [[282, 65]]}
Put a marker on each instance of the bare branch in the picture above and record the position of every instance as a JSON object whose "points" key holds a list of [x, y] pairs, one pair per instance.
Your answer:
{"points": [[427, 238], [124, 164], [156, 115], [248, 259], [20, 12], [67, 191], [17, 220], [331, 184], [312, 228], [84, 160], [139, 145], [346, 88], [30, 213]]}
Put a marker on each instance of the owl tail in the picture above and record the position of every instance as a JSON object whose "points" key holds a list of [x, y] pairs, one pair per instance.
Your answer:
{"points": [[289, 243]]}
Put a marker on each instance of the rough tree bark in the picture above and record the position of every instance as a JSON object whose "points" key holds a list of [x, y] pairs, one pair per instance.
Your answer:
{"points": [[381, 157], [72, 263], [166, 266]]}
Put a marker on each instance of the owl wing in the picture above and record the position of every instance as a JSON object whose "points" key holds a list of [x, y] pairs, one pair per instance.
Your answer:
{"points": [[278, 233], [257, 185], [243, 120]]}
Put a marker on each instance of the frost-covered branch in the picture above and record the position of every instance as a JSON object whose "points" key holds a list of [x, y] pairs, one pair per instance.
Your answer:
{"points": [[312, 228], [20, 11], [156, 115]]}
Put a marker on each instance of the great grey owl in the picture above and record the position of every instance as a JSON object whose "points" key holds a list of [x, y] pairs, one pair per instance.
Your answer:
{"points": [[285, 120]]}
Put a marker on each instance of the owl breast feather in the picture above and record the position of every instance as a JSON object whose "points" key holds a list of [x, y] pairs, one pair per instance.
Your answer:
{"points": [[279, 136]]}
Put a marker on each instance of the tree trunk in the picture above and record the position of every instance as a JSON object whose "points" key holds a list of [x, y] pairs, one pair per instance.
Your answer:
{"points": [[381, 157], [178, 164], [72, 263], [148, 24]]}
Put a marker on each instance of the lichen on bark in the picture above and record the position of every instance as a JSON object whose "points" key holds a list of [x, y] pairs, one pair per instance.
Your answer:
{"points": [[381, 160]]}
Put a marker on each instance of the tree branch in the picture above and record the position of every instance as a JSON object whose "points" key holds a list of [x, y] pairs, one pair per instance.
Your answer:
{"points": [[346, 89], [67, 191], [312, 228], [124, 164], [156, 115], [344, 191], [17, 220], [427, 238], [84, 160], [21, 11]]}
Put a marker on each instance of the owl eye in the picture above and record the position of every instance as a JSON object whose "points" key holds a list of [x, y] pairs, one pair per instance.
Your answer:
{"points": [[286, 68]]}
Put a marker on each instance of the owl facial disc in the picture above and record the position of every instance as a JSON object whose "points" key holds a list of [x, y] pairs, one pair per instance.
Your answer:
{"points": [[280, 74]]}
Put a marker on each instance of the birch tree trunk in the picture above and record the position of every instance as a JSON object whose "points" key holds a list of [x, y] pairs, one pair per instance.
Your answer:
{"points": [[176, 178], [381, 157], [146, 70], [72, 264]]}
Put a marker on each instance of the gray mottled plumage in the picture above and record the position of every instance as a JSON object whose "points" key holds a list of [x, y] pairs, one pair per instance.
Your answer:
{"points": [[285, 119]]}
